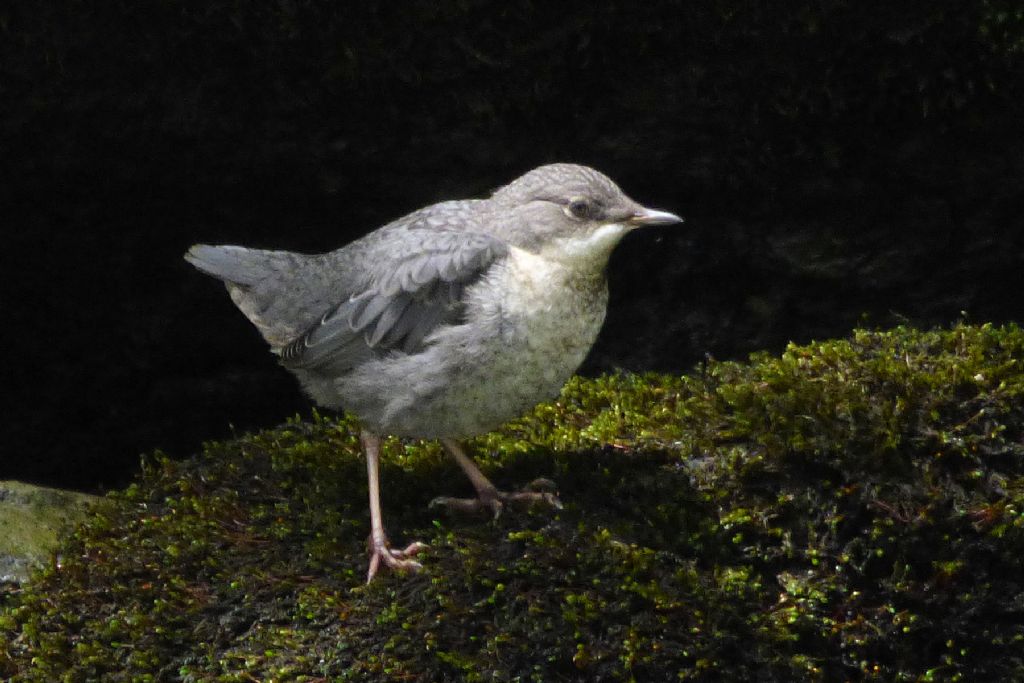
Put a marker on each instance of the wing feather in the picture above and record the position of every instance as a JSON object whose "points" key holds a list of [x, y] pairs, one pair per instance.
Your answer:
{"points": [[388, 318], [417, 288]]}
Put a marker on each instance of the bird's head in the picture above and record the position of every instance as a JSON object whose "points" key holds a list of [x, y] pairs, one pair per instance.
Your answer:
{"points": [[571, 213]]}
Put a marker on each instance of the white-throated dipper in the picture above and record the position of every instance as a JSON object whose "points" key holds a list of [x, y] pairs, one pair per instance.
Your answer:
{"points": [[444, 323]]}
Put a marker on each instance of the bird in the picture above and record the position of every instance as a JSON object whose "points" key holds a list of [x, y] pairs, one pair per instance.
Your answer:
{"points": [[445, 323]]}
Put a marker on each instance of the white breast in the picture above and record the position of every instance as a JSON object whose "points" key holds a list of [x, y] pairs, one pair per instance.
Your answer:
{"points": [[549, 310]]}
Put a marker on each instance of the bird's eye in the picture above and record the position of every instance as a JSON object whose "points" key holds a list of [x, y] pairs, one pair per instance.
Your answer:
{"points": [[580, 208]]}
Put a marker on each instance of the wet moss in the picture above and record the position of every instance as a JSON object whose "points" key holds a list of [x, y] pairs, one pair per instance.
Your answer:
{"points": [[849, 510]]}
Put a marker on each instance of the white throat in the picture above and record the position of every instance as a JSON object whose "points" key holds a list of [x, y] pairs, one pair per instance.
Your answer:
{"points": [[585, 252]]}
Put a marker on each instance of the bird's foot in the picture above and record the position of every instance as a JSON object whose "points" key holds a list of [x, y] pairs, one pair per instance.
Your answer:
{"points": [[401, 560], [540, 491]]}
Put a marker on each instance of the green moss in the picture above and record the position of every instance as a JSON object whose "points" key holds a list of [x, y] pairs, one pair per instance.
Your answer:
{"points": [[849, 510], [32, 518]]}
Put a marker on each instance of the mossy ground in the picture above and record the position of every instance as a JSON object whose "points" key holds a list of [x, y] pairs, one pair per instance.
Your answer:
{"points": [[850, 510]]}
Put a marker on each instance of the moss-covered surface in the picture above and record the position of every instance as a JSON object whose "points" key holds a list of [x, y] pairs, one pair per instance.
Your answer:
{"points": [[851, 510], [32, 518]]}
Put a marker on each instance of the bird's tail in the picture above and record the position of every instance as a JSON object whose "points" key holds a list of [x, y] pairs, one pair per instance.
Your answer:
{"points": [[257, 280], [237, 265]]}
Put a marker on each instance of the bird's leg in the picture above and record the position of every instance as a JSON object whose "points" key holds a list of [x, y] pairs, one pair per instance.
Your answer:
{"points": [[488, 496], [379, 548]]}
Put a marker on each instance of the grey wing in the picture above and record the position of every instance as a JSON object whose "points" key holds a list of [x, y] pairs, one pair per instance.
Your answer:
{"points": [[415, 286]]}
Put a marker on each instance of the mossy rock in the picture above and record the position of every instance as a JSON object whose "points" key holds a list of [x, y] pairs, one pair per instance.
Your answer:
{"points": [[32, 519], [850, 510]]}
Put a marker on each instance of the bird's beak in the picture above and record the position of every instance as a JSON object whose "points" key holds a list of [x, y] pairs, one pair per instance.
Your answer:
{"points": [[644, 216]]}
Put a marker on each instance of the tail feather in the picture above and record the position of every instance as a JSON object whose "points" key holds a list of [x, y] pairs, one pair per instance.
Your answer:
{"points": [[237, 265], [272, 288]]}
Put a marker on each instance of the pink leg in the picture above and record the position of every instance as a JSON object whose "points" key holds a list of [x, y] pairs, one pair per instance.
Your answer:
{"points": [[379, 547], [488, 496]]}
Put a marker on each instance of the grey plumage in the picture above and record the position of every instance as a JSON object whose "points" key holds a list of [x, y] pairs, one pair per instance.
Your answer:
{"points": [[399, 306], [410, 274], [448, 321]]}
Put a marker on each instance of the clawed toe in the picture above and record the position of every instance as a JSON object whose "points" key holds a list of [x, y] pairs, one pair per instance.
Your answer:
{"points": [[399, 560], [531, 497], [488, 497], [466, 504], [495, 500], [414, 548]]}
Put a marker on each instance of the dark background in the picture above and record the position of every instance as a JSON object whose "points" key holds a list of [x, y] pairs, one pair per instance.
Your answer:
{"points": [[838, 163]]}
